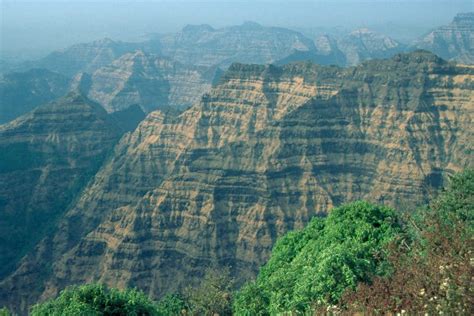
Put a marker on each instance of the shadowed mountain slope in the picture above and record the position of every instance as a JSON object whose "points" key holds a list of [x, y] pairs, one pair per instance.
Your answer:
{"points": [[46, 157], [22, 92]]}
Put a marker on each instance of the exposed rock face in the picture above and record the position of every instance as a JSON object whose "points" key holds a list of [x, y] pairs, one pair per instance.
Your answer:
{"points": [[46, 157], [88, 57], [22, 92], [454, 41], [327, 46], [150, 81], [247, 43], [364, 44], [263, 152], [327, 53]]}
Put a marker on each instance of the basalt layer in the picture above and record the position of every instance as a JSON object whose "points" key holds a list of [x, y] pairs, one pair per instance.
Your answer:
{"points": [[263, 152]]}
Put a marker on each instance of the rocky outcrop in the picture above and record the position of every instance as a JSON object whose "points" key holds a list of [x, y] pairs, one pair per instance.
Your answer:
{"points": [[147, 80], [246, 43], [454, 41], [263, 152], [327, 53], [364, 44], [46, 158], [21, 92]]}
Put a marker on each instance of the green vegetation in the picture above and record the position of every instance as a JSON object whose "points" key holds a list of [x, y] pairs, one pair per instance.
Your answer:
{"points": [[317, 264], [213, 296], [95, 299], [171, 304], [432, 271], [360, 259]]}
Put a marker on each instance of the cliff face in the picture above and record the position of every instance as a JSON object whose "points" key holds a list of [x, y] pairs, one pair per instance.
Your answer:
{"points": [[454, 41], [364, 44], [263, 152], [22, 92], [46, 157], [150, 81], [247, 43]]}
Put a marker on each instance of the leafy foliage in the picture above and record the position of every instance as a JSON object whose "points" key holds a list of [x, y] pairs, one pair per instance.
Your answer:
{"points": [[93, 299], [318, 263], [171, 305], [214, 294], [433, 273]]}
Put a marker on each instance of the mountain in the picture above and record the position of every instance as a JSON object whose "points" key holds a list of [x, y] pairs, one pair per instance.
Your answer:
{"points": [[46, 157], [247, 43], [326, 45], [454, 41], [327, 53], [20, 92], [147, 80], [263, 152], [88, 57], [364, 44]]}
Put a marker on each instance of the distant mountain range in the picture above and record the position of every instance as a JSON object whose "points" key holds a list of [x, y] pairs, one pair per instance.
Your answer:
{"points": [[88, 57], [174, 70], [247, 43]]}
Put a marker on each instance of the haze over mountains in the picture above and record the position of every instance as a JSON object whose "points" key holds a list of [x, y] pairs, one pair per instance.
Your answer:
{"points": [[143, 163], [117, 76]]}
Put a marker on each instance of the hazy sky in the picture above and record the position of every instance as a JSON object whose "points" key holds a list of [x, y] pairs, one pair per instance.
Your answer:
{"points": [[33, 28]]}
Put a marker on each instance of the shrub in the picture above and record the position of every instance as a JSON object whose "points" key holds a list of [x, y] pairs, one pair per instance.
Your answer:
{"points": [[433, 273]]}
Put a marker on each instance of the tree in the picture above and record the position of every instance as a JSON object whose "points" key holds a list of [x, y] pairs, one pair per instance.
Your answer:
{"points": [[94, 299], [172, 305], [213, 295], [4, 311], [317, 264]]}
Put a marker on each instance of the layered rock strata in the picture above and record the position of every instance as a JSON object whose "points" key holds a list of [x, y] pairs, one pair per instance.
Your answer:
{"points": [[263, 152], [454, 41]]}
